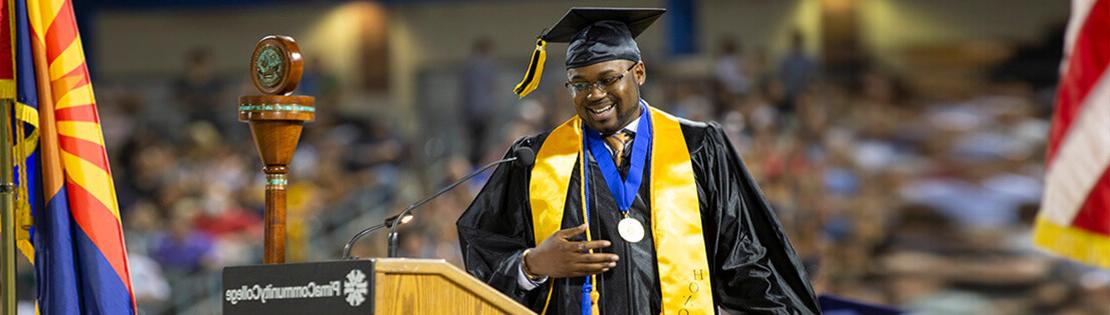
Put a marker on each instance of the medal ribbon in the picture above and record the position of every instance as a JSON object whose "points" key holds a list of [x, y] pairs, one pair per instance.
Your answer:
{"points": [[623, 191]]}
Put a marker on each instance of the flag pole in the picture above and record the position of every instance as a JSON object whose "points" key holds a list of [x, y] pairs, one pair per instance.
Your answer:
{"points": [[7, 208], [7, 185]]}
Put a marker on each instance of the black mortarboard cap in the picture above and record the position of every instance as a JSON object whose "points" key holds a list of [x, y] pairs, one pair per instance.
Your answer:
{"points": [[594, 35], [601, 34]]}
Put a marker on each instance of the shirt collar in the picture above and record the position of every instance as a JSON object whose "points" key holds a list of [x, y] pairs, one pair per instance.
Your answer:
{"points": [[631, 126]]}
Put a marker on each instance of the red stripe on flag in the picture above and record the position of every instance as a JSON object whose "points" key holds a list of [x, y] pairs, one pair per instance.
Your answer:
{"points": [[77, 113], [7, 64], [88, 151], [101, 226], [62, 32], [1094, 216], [1088, 61]]}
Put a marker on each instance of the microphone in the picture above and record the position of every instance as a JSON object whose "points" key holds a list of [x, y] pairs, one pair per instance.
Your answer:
{"points": [[389, 222], [522, 156]]}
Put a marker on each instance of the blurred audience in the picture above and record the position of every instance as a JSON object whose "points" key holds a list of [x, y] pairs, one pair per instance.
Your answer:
{"points": [[890, 196], [797, 70], [730, 77], [478, 85]]}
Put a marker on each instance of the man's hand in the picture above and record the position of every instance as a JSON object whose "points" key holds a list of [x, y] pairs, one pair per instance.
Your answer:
{"points": [[559, 257]]}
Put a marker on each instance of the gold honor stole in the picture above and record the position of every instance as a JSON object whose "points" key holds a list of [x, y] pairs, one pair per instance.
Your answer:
{"points": [[675, 214]]}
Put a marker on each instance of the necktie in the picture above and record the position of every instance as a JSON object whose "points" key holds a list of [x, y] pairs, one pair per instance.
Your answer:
{"points": [[617, 142]]}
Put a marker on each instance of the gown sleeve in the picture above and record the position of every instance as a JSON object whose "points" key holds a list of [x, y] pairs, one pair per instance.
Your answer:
{"points": [[495, 230], [755, 269]]}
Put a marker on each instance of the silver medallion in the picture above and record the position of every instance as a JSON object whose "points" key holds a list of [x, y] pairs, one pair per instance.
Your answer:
{"points": [[630, 230]]}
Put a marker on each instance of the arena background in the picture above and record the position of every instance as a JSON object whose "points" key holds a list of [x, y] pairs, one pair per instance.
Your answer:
{"points": [[900, 141]]}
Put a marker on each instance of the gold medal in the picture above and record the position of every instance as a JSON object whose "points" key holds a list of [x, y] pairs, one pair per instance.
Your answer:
{"points": [[630, 230]]}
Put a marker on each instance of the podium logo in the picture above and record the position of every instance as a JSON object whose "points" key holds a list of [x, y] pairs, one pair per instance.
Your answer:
{"points": [[355, 287]]}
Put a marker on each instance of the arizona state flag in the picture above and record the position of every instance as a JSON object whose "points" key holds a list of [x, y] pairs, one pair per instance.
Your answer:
{"points": [[65, 184], [1074, 220]]}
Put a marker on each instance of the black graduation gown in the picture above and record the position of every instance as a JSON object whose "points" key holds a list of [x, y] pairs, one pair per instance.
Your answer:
{"points": [[753, 268]]}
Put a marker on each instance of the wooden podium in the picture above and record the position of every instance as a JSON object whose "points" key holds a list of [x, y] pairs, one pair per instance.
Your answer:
{"points": [[376, 286], [423, 286]]}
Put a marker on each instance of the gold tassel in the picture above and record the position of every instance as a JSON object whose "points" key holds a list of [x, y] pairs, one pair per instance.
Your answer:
{"points": [[22, 147], [535, 70], [594, 296]]}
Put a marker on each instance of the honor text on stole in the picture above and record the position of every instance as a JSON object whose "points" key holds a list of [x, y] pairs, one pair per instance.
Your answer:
{"points": [[694, 287]]}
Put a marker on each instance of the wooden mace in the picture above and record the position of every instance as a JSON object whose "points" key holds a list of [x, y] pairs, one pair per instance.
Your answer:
{"points": [[276, 119]]}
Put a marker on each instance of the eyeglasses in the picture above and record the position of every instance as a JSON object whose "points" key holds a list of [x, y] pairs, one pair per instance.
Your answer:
{"points": [[603, 84]]}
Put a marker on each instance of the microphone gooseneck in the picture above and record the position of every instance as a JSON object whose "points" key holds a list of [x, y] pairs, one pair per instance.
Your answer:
{"points": [[389, 222], [523, 156]]}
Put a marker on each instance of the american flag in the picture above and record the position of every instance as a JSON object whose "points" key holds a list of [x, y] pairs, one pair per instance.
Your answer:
{"points": [[1074, 220]]}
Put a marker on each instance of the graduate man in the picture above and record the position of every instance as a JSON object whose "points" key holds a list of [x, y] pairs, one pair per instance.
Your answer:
{"points": [[627, 209]]}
